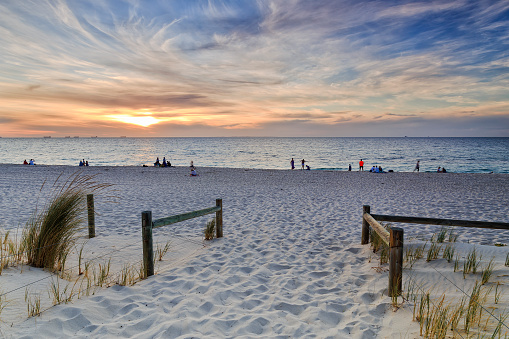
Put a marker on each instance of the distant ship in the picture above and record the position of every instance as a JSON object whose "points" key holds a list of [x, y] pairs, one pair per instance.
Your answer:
{"points": [[68, 136], [76, 136], [123, 136], [94, 137], [47, 137]]}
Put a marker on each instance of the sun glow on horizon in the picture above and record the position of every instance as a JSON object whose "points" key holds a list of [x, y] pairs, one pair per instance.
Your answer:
{"points": [[144, 121]]}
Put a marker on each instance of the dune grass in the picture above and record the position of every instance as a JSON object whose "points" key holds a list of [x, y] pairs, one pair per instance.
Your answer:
{"points": [[209, 229], [472, 262], [50, 235], [468, 317]]}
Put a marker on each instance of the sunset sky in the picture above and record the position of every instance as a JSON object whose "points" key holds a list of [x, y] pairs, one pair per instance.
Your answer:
{"points": [[254, 68]]}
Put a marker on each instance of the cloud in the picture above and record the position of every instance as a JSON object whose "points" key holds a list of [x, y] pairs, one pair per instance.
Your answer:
{"points": [[252, 65]]}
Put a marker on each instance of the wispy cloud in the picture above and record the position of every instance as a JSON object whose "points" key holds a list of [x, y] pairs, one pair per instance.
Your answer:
{"points": [[250, 66]]}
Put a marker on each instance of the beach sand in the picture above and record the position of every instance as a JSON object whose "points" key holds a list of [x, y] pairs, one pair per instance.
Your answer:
{"points": [[290, 264]]}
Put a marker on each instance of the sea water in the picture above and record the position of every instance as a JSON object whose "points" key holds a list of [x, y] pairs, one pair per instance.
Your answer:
{"points": [[464, 155]]}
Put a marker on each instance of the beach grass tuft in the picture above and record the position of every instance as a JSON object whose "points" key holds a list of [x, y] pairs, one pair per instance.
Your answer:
{"points": [[413, 253], [457, 263], [101, 275], [128, 275], [33, 304], [487, 272], [50, 235], [433, 251], [448, 252], [471, 263], [209, 229], [441, 235], [453, 237], [161, 251], [497, 293]]}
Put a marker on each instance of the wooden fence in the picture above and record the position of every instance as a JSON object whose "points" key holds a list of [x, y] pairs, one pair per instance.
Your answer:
{"points": [[394, 238], [147, 225]]}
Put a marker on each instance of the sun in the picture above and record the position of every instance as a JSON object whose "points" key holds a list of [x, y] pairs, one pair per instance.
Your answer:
{"points": [[144, 121]]}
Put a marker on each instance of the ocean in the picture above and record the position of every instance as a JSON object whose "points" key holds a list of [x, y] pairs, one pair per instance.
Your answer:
{"points": [[460, 155]]}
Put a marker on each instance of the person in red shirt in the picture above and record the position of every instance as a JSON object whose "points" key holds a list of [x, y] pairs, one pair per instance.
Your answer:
{"points": [[361, 165]]}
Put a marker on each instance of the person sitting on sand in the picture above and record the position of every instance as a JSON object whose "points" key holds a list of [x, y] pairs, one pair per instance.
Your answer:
{"points": [[81, 163], [192, 164], [380, 169], [25, 162], [439, 169], [157, 163], [308, 168], [86, 163], [193, 172], [443, 170], [32, 162]]}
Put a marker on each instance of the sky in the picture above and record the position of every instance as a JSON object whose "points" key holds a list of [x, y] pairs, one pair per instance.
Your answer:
{"points": [[164, 68]]}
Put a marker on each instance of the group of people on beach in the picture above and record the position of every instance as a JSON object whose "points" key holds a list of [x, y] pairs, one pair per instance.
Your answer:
{"points": [[374, 168], [166, 163], [83, 163], [31, 162], [303, 164], [162, 164]]}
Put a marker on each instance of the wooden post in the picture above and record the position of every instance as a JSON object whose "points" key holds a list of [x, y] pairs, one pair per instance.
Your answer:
{"points": [[396, 261], [365, 225], [148, 250], [219, 219], [91, 216]]}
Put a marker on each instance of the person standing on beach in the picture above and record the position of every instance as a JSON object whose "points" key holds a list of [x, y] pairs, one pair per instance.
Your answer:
{"points": [[361, 165], [292, 163], [417, 166], [349, 167], [302, 163]]}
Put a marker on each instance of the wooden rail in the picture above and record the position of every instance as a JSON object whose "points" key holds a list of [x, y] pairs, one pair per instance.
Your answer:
{"points": [[379, 229], [184, 216], [443, 222], [394, 238], [147, 225]]}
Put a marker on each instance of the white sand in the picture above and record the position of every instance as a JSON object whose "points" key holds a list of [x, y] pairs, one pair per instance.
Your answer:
{"points": [[290, 264]]}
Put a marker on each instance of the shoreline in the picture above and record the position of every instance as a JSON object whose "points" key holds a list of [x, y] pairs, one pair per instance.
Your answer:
{"points": [[242, 168]]}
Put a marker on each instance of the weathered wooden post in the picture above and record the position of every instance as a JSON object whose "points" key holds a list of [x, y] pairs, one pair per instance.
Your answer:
{"points": [[148, 250], [91, 216], [219, 219], [395, 261], [365, 225]]}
